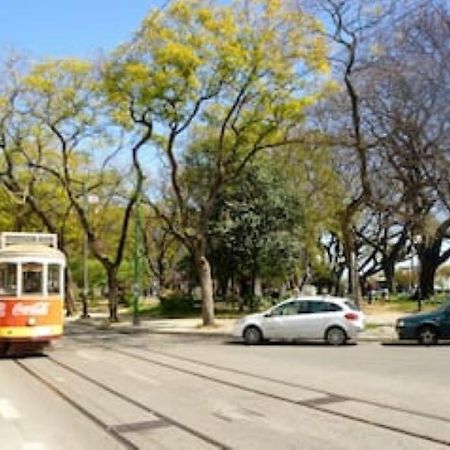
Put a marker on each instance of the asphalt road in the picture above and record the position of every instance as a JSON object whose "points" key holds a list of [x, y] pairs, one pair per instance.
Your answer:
{"points": [[112, 391]]}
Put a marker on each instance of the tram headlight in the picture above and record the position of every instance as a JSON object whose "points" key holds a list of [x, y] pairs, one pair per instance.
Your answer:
{"points": [[31, 321]]}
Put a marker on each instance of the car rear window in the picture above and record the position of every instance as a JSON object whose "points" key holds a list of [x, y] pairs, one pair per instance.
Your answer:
{"points": [[351, 305], [331, 307]]}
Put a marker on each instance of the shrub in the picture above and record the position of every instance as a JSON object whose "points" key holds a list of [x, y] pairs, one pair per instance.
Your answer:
{"points": [[177, 304], [258, 302]]}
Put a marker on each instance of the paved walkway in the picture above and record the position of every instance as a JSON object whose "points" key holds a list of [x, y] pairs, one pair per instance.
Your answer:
{"points": [[378, 327]]}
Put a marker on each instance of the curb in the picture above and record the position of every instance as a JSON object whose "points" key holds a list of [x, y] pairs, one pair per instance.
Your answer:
{"points": [[130, 330]]}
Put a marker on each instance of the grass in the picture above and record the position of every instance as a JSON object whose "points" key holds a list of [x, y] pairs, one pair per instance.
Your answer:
{"points": [[156, 312], [372, 326], [402, 304], [150, 308]]}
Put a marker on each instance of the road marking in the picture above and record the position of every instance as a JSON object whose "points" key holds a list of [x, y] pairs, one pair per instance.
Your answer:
{"points": [[323, 400], [139, 426], [7, 410]]}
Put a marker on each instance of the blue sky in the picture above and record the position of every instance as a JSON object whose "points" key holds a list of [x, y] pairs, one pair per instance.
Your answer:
{"points": [[58, 28]]}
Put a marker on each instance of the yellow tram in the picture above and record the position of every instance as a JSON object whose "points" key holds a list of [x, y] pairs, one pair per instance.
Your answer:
{"points": [[31, 291]]}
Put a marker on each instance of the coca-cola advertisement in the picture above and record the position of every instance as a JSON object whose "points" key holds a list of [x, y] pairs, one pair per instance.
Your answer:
{"points": [[31, 309], [16, 312]]}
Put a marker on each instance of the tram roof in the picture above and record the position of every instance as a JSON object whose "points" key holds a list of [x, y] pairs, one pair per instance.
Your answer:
{"points": [[39, 251]]}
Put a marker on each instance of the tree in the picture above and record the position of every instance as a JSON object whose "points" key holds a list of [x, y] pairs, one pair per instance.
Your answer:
{"points": [[349, 24], [68, 119], [161, 250], [38, 202], [251, 231], [205, 71], [382, 243], [408, 118]]}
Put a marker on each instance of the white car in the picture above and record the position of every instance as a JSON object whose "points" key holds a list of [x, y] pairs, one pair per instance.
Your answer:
{"points": [[332, 319]]}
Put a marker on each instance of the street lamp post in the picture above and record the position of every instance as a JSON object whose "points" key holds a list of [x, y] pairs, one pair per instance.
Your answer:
{"points": [[354, 276], [85, 312], [87, 200], [417, 239], [411, 273], [137, 261]]}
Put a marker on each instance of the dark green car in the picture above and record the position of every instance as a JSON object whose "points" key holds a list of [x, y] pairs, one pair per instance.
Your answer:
{"points": [[426, 327]]}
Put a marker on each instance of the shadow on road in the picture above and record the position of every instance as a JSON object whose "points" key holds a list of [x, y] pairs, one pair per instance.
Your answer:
{"points": [[289, 344], [413, 344], [19, 356]]}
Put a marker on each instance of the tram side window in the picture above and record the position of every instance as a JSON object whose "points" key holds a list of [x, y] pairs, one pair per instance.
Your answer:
{"points": [[8, 279], [32, 278], [53, 282]]}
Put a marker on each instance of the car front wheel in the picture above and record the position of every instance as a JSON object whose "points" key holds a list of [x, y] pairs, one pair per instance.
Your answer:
{"points": [[336, 336], [428, 336], [252, 336]]}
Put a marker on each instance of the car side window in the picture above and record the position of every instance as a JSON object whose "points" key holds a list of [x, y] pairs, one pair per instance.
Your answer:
{"points": [[316, 306], [320, 306], [288, 309], [331, 307], [303, 307]]}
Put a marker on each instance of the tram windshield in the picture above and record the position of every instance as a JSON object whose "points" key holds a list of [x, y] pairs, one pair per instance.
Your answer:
{"points": [[32, 278], [8, 279]]}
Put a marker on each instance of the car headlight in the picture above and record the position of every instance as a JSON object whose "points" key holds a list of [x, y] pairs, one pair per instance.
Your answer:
{"points": [[400, 323]]}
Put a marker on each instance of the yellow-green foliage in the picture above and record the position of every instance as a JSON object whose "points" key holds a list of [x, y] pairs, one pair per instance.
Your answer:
{"points": [[61, 88], [199, 48]]}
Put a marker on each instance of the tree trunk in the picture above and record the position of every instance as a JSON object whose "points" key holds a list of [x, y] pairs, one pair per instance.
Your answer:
{"points": [[257, 287], [204, 275], [337, 276], [429, 262], [113, 295], [350, 258], [161, 275], [426, 281], [69, 297], [389, 274]]}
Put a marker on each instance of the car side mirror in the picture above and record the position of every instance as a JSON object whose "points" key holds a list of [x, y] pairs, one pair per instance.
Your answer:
{"points": [[268, 314]]}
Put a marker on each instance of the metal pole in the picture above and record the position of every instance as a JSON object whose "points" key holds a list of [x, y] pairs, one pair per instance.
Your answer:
{"points": [[85, 313], [411, 274], [137, 265], [417, 240], [419, 291], [355, 278]]}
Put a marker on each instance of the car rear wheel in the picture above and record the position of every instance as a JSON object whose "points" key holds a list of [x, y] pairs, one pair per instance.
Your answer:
{"points": [[428, 336], [336, 336], [252, 336]]}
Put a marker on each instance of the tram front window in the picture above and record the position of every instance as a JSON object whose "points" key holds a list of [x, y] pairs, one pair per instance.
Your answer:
{"points": [[32, 278], [53, 283], [8, 279]]}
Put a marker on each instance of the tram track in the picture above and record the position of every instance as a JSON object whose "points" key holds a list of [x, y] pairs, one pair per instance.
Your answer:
{"points": [[114, 431], [232, 370], [128, 444], [318, 405]]}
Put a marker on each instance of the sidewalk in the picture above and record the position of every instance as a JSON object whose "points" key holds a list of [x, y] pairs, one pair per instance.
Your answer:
{"points": [[379, 327]]}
